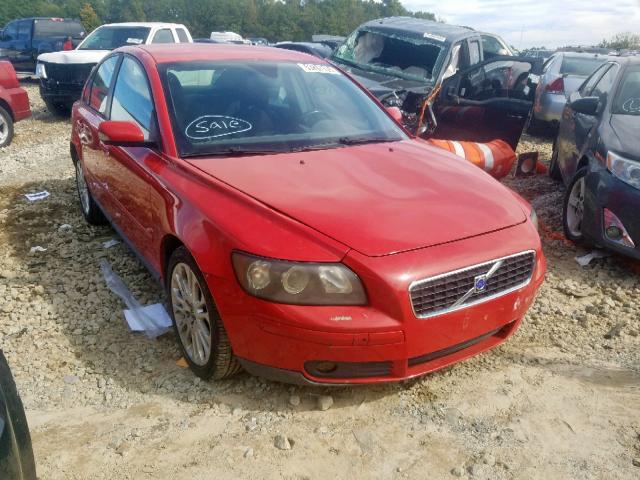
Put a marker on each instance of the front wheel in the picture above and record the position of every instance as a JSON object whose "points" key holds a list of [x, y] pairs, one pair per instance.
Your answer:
{"points": [[90, 209], [573, 209], [6, 128], [203, 339]]}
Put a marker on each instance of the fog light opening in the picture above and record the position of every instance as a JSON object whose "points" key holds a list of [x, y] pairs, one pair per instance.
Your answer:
{"points": [[614, 230], [326, 367]]}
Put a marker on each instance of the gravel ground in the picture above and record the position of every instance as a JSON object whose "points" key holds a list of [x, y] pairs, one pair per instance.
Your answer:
{"points": [[561, 399]]}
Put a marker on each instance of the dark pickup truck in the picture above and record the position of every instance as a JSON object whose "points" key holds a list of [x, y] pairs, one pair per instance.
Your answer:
{"points": [[22, 40]]}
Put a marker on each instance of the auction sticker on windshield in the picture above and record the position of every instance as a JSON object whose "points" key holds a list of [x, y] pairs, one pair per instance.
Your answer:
{"points": [[317, 68], [213, 126], [135, 41]]}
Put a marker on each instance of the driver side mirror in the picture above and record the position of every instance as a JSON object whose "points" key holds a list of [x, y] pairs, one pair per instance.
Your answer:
{"points": [[395, 113], [586, 105], [123, 134]]}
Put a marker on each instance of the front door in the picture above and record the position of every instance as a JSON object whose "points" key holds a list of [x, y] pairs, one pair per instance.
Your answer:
{"points": [[487, 101]]}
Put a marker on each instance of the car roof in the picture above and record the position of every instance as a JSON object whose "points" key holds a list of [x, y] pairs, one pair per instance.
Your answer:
{"points": [[417, 27], [177, 52], [584, 55], [143, 24]]}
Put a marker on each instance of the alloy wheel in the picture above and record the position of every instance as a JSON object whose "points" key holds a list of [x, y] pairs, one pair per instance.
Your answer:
{"points": [[575, 208], [4, 129], [191, 314], [83, 190]]}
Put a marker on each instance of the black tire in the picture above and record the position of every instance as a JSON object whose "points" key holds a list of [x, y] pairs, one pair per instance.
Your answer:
{"points": [[572, 231], [16, 451], [221, 362], [6, 127], [58, 109], [554, 168], [89, 208]]}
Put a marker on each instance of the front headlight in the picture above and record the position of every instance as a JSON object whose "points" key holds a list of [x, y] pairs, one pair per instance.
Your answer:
{"points": [[626, 170], [533, 216], [41, 72], [298, 283]]}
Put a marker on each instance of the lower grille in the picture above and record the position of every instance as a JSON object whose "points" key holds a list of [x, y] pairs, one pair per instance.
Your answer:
{"points": [[471, 285], [75, 74], [453, 349], [350, 369]]}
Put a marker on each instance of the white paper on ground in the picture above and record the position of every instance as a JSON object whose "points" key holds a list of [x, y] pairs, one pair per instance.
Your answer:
{"points": [[32, 197], [152, 326], [155, 311], [585, 260], [110, 243], [37, 248]]}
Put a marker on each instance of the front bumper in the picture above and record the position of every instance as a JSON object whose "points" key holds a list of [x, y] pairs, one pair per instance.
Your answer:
{"points": [[603, 190], [383, 341], [57, 92]]}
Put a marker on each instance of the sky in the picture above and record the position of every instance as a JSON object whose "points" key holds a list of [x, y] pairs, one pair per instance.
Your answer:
{"points": [[528, 23]]}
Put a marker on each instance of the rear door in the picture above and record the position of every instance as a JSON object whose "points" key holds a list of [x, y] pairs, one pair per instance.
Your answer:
{"points": [[24, 60], [488, 101]]}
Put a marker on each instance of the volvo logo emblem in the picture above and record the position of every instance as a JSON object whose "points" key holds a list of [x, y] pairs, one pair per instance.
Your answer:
{"points": [[480, 283]]}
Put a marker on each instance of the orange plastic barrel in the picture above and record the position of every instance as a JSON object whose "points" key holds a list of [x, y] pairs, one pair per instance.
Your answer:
{"points": [[496, 157]]}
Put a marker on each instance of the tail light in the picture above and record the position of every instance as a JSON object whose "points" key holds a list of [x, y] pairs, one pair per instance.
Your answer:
{"points": [[557, 86]]}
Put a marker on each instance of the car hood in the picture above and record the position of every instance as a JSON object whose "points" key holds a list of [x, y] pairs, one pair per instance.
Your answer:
{"points": [[378, 199], [74, 56], [626, 128]]}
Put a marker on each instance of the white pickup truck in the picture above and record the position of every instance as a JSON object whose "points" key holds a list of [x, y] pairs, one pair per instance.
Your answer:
{"points": [[62, 74]]}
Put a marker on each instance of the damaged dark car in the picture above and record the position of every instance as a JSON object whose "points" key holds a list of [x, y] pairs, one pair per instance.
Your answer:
{"points": [[449, 81]]}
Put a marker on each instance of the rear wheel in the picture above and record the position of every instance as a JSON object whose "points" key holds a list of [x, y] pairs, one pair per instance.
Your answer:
{"points": [[573, 211], [90, 209], [6, 127], [203, 339]]}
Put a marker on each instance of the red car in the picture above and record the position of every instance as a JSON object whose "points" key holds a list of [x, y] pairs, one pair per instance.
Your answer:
{"points": [[300, 232], [14, 102]]}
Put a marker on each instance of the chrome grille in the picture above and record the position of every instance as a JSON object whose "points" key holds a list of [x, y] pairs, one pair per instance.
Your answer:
{"points": [[471, 285]]}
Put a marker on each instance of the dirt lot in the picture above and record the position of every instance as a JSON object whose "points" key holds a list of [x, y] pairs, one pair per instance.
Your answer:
{"points": [[560, 400]]}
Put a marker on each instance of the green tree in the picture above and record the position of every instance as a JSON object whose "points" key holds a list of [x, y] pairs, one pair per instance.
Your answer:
{"points": [[89, 18], [626, 40]]}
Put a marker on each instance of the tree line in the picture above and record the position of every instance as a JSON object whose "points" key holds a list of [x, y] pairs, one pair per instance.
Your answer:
{"points": [[273, 19]]}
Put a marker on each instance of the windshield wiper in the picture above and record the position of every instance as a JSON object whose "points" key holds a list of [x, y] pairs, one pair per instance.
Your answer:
{"points": [[232, 152], [362, 140]]}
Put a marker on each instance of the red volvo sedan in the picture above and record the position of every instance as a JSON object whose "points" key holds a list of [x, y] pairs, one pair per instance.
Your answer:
{"points": [[300, 232]]}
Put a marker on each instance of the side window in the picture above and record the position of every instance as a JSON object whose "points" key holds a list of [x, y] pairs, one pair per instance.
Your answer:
{"points": [[101, 84], [11, 31], [132, 96], [491, 46], [454, 62], [603, 87], [182, 35], [474, 52], [24, 30], [587, 86], [163, 36]]}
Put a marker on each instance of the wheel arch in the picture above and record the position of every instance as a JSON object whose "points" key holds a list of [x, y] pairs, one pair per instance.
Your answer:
{"points": [[169, 244], [4, 104]]}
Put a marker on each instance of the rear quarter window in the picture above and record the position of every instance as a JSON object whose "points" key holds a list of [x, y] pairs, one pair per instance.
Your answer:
{"points": [[182, 35]]}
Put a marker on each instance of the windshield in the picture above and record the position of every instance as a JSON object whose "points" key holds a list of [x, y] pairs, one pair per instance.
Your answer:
{"points": [[581, 66], [627, 101], [58, 28], [404, 57], [269, 107], [110, 38]]}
